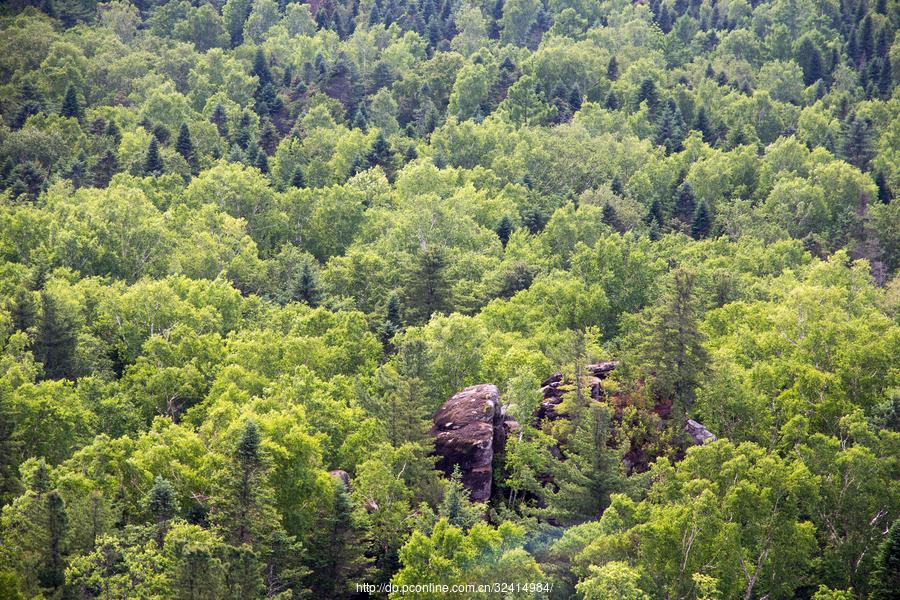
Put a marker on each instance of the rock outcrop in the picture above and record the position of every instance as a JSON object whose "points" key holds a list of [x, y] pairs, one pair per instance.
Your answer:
{"points": [[555, 387], [698, 432], [468, 430]]}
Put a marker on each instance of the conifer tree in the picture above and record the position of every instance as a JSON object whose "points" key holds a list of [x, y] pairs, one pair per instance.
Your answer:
{"points": [[153, 164], [886, 576], [185, 147], [456, 506], [380, 154], [427, 290], [701, 224], [504, 230], [685, 203], [220, 120], [70, 106], [612, 69], [392, 322], [298, 180], [55, 341], [611, 218], [162, 505], [307, 288]]}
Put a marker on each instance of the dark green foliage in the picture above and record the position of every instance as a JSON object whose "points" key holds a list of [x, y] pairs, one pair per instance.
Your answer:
{"points": [[701, 223], [612, 69], [611, 218], [70, 106], [162, 505], [52, 572], [184, 146], [427, 290], [504, 230], [220, 119], [886, 577], [685, 203], [884, 192], [104, 169], [298, 180], [392, 322], [56, 338], [381, 155], [307, 287], [856, 141], [153, 164]]}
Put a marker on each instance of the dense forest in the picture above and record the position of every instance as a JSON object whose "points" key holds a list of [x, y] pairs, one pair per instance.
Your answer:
{"points": [[592, 299]]}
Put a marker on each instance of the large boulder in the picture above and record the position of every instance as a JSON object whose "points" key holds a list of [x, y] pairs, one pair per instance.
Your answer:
{"points": [[699, 433], [468, 429]]}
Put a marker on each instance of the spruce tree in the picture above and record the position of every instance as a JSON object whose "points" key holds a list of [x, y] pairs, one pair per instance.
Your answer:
{"points": [[298, 180], [185, 147], [856, 141], [56, 338], [611, 218], [104, 169], [392, 323], [701, 224], [427, 289], [685, 203], [307, 287], [456, 506], [612, 69], [261, 162], [113, 133], [884, 192], [380, 154], [671, 350], [53, 571], [220, 120], [163, 506], [504, 230], [153, 164], [701, 124], [70, 106]]}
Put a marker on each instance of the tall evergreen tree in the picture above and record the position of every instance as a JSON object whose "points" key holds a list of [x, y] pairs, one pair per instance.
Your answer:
{"points": [[220, 120], [856, 141], [70, 106], [611, 218], [427, 290], [153, 164], [185, 147], [55, 341], [380, 154], [298, 180], [701, 224], [685, 203], [163, 506], [307, 287], [886, 576], [671, 349], [504, 230], [392, 322], [612, 69]]}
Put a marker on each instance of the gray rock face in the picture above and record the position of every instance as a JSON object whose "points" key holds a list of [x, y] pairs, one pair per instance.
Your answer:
{"points": [[468, 429], [698, 432]]}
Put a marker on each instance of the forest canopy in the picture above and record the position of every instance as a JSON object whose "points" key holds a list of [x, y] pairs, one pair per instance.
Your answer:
{"points": [[253, 253]]}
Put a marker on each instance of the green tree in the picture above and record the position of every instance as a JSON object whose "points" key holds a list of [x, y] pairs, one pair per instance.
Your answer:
{"points": [[426, 289], [153, 164], [70, 106], [701, 223]]}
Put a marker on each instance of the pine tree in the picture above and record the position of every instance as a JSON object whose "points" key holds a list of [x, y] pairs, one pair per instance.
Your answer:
{"points": [[456, 506], [55, 341], [220, 120], [612, 101], [647, 93], [380, 154], [611, 218], [113, 133], [685, 203], [184, 146], [307, 287], [261, 161], [575, 99], [337, 559], [70, 106], [153, 164], [612, 69], [702, 125], [392, 322], [655, 215], [427, 290], [51, 573], [504, 230], [163, 506], [298, 180], [671, 350], [104, 169], [856, 141], [701, 224]]}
